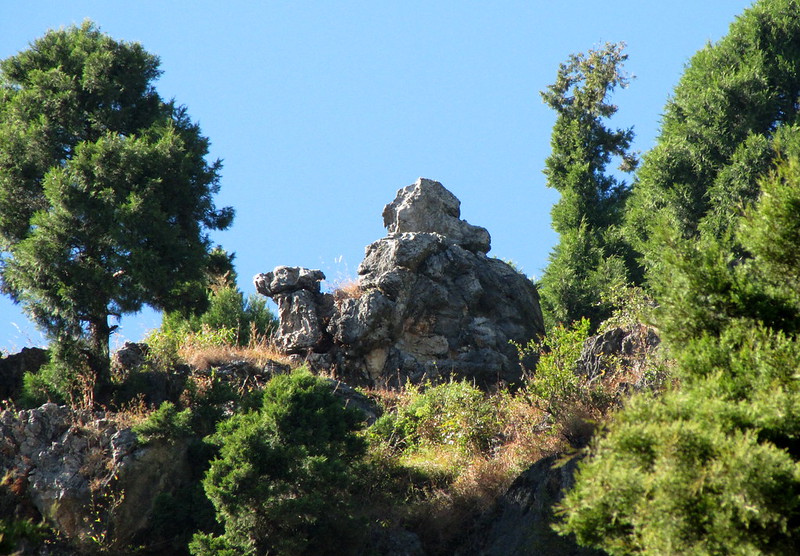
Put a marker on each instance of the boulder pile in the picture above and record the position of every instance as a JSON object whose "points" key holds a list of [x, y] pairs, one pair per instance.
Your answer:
{"points": [[429, 303]]}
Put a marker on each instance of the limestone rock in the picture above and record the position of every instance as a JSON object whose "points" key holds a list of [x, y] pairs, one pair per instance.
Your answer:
{"points": [[85, 476], [130, 357], [426, 206], [619, 349], [429, 305], [301, 307]]}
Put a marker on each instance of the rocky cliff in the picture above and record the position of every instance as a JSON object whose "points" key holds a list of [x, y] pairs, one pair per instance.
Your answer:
{"points": [[88, 477], [429, 303]]}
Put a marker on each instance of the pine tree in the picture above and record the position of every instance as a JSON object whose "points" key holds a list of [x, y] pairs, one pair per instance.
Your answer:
{"points": [[590, 259], [105, 193], [713, 466], [718, 129]]}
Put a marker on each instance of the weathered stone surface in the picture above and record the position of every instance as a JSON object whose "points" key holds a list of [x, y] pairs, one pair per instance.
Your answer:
{"points": [[430, 303], [426, 206], [628, 349], [84, 475], [129, 357], [302, 309], [285, 279]]}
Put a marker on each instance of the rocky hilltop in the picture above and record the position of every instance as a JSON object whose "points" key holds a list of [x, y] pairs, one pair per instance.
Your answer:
{"points": [[429, 303]]}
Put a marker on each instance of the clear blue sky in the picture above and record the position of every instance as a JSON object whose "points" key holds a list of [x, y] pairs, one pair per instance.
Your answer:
{"points": [[322, 110]]}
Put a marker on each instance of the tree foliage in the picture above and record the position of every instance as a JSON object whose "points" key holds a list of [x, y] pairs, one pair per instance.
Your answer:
{"points": [[105, 193], [718, 129], [227, 308], [280, 482], [713, 467], [590, 257]]}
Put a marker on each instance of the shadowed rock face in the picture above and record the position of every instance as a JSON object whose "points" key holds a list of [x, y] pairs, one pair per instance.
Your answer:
{"points": [[430, 303], [84, 475]]}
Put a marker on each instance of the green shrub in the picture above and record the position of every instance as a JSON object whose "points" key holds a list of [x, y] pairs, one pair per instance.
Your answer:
{"points": [[456, 414], [165, 424], [555, 382], [17, 535], [65, 379], [712, 467], [280, 483], [230, 319]]}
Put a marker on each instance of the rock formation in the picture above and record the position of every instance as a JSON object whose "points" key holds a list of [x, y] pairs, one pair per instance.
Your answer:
{"points": [[83, 474], [629, 350], [14, 366], [429, 304]]}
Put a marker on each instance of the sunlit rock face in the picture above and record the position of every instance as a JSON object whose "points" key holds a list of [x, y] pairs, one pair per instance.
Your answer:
{"points": [[430, 304]]}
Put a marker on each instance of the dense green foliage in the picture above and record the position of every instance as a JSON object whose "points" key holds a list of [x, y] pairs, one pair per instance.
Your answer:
{"points": [[165, 424], [555, 381], [18, 535], [105, 193], [280, 483], [590, 259], [718, 129], [714, 466], [453, 413]]}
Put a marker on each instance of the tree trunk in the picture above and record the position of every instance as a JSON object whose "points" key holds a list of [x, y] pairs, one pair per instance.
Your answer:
{"points": [[100, 362]]}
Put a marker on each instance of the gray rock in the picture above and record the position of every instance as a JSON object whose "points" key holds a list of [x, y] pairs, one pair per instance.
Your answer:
{"points": [[130, 357], [426, 206], [85, 476], [520, 522], [285, 279], [430, 304], [14, 367], [628, 349]]}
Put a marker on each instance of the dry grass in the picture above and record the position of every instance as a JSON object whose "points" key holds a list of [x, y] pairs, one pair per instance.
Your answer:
{"points": [[258, 353], [347, 289], [132, 413]]}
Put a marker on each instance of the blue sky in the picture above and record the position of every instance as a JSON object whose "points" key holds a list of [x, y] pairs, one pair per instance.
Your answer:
{"points": [[320, 111]]}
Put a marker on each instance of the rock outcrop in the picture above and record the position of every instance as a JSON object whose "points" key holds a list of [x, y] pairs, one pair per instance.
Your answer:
{"points": [[429, 304], [520, 522], [14, 367], [627, 350], [89, 478]]}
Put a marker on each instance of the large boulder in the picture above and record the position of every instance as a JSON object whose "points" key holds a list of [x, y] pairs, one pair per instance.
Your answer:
{"points": [[430, 304], [88, 477]]}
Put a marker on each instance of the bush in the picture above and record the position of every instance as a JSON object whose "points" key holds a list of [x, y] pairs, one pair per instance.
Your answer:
{"points": [[165, 424], [280, 483], [455, 414], [19, 536], [713, 467], [65, 379]]}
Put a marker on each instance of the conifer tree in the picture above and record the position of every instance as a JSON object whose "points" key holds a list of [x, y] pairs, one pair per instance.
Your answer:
{"points": [[718, 129], [105, 193], [590, 258], [713, 466]]}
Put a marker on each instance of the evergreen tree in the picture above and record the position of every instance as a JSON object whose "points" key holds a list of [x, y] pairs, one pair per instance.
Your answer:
{"points": [[713, 467], [105, 193], [718, 129], [280, 483], [590, 258]]}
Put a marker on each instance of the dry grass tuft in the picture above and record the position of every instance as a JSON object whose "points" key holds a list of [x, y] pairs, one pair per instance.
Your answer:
{"points": [[132, 413], [347, 289], [258, 353]]}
